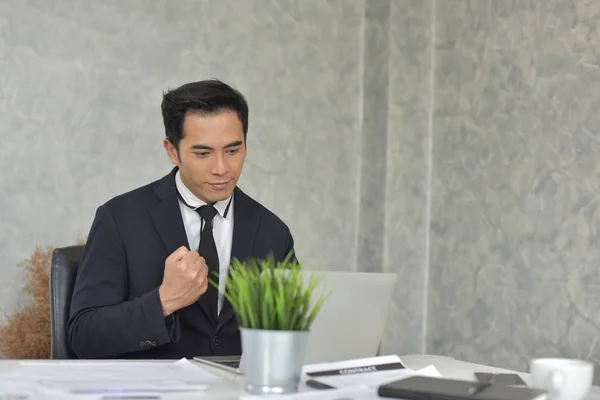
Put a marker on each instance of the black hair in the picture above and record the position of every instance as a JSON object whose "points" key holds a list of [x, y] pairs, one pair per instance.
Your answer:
{"points": [[203, 97]]}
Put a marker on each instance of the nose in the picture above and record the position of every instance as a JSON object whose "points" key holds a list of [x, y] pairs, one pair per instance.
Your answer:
{"points": [[219, 166]]}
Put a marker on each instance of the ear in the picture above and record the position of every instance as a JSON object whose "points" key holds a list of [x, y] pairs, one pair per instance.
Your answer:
{"points": [[171, 151]]}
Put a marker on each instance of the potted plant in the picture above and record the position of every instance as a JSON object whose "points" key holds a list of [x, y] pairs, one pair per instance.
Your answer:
{"points": [[275, 303]]}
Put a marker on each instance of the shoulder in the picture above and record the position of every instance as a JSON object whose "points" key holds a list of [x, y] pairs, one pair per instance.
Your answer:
{"points": [[272, 235], [133, 197], [252, 206], [136, 199]]}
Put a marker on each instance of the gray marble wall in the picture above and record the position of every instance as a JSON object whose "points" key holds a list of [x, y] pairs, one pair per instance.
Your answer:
{"points": [[491, 192], [407, 178], [515, 246]]}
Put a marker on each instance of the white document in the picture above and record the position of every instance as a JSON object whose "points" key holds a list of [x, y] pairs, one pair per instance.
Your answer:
{"points": [[354, 393], [15, 391], [430, 371], [371, 372], [351, 364], [123, 377]]}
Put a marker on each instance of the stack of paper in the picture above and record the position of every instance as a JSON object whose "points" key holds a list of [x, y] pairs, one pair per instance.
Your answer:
{"points": [[15, 391], [371, 372], [112, 378], [353, 393]]}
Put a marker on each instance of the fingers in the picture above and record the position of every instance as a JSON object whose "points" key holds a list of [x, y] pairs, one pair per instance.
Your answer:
{"points": [[200, 263], [190, 257], [202, 280], [204, 286], [186, 265], [201, 277], [178, 254]]}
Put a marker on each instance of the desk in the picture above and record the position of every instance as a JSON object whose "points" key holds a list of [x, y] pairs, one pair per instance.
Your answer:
{"points": [[232, 386]]}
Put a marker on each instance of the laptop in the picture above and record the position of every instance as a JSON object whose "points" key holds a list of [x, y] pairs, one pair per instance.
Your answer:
{"points": [[358, 305]]}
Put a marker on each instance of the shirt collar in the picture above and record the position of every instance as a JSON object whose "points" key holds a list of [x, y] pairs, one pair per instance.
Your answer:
{"points": [[194, 202]]}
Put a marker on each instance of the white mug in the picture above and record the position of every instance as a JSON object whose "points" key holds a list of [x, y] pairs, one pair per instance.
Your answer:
{"points": [[562, 378]]}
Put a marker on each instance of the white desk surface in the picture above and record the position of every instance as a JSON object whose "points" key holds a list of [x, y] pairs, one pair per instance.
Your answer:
{"points": [[232, 386]]}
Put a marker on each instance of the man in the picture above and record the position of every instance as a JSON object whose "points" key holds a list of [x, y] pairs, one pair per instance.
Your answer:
{"points": [[142, 287]]}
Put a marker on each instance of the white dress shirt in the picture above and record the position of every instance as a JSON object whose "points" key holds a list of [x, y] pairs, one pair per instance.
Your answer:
{"points": [[222, 229]]}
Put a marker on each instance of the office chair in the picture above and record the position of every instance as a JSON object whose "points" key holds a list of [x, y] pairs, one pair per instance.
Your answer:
{"points": [[63, 271]]}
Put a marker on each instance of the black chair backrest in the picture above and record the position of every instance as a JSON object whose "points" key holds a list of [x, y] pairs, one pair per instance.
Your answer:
{"points": [[63, 272]]}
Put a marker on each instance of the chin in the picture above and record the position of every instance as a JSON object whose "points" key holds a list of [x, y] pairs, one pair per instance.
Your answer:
{"points": [[220, 196]]}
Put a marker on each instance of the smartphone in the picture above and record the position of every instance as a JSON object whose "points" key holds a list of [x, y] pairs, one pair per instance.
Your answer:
{"points": [[501, 379]]}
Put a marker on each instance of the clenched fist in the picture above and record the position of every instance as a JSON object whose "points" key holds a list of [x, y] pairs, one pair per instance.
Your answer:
{"points": [[184, 281]]}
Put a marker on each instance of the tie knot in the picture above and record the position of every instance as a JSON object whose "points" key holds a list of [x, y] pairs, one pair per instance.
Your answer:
{"points": [[207, 212]]}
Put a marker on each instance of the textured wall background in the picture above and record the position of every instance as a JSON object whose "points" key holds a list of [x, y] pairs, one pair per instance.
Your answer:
{"points": [[407, 177], [515, 207]]}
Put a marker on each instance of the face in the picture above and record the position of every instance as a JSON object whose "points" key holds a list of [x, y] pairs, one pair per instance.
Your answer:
{"points": [[211, 154]]}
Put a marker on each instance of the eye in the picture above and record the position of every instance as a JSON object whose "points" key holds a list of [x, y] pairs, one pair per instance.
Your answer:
{"points": [[202, 154], [233, 151]]}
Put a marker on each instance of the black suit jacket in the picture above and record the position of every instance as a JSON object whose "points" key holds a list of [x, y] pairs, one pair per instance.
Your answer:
{"points": [[116, 310]]}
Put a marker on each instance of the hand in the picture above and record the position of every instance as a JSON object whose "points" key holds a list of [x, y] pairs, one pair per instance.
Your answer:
{"points": [[184, 281]]}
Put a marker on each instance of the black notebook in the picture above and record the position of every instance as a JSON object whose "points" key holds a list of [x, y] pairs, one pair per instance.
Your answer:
{"points": [[426, 388]]}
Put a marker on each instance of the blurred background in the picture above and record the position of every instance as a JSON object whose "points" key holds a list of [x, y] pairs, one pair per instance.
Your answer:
{"points": [[454, 142]]}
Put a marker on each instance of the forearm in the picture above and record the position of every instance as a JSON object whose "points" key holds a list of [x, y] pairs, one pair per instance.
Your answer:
{"points": [[112, 331]]}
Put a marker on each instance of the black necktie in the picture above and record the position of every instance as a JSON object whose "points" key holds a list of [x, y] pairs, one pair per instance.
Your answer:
{"points": [[208, 250]]}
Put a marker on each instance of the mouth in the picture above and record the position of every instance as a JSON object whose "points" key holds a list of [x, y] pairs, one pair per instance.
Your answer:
{"points": [[219, 185]]}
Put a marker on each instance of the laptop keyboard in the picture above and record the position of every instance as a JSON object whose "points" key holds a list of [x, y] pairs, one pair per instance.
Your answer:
{"points": [[232, 364]]}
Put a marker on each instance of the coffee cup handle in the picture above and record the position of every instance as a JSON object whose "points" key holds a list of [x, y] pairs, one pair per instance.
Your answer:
{"points": [[557, 380]]}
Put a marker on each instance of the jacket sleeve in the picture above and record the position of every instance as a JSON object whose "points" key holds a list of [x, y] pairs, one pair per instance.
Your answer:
{"points": [[104, 322], [289, 246]]}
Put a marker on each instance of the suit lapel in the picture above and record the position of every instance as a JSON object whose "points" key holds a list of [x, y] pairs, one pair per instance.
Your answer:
{"points": [[167, 216], [245, 225], [167, 219]]}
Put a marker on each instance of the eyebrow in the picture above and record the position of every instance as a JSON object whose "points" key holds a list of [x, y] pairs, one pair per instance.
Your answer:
{"points": [[233, 144], [205, 147]]}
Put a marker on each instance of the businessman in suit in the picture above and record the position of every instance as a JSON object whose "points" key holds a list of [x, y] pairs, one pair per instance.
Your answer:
{"points": [[142, 287]]}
